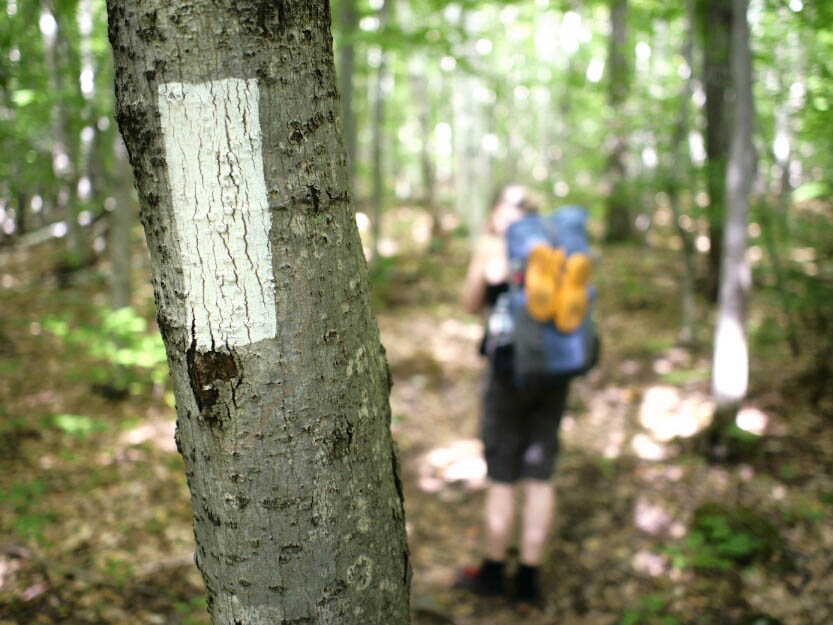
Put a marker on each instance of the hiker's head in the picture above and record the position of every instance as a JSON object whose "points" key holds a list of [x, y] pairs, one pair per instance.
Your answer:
{"points": [[510, 204]]}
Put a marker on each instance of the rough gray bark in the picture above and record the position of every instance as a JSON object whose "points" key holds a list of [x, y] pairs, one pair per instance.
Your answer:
{"points": [[731, 358], [618, 219], [229, 112]]}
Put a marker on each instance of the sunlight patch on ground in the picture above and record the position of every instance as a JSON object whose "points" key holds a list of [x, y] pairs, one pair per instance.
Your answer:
{"points": [[664, 472], [460, 463], [461, 329], [388, 247], [602, 426], [630, 367], [649, 517], [159, 433], [752, 420], [648, 563], [647, 449], [666, 414], [421, 229]]}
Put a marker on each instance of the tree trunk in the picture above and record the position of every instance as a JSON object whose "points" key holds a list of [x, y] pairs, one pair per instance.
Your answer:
{"points": [[20, 214], [679, 164], [731, 359], [62, 161], [426, 161], [783, 191], [716, 25], [378, 138], [229, 110], [618, 209], [121, 222]]}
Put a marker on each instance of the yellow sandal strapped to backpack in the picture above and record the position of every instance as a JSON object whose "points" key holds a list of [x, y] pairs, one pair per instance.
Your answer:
{"points": [[556, 287]]}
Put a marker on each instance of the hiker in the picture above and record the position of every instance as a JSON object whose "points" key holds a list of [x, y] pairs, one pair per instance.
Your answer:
{"points": [[519, 426]]}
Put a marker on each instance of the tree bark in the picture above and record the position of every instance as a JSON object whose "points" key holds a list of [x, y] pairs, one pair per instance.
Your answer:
{"points": [[229, 111], [731, 359]]}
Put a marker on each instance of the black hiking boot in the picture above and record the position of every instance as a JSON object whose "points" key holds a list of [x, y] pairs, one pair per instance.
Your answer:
{"points": [[527, 587], [487, 581]]}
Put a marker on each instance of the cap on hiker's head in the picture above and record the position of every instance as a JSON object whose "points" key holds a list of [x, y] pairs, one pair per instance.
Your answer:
{"points": [[518, 196]]}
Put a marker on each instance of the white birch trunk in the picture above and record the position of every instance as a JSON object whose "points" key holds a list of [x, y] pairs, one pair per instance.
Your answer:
{"points": [[229, 111], [730, 374]]}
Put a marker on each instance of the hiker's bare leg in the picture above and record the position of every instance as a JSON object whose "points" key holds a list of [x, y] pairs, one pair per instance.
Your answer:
{"points": [[538, 509], [500, 519]]}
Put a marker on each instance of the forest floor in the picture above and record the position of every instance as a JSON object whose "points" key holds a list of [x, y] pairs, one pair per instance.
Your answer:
{"points": [[95, 522]]}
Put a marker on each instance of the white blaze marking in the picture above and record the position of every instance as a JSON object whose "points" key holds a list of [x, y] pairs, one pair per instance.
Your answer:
{"points": [[213, 148]]}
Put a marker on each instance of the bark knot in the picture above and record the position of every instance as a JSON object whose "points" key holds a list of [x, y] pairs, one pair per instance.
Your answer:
{"points": [[207, 371]]}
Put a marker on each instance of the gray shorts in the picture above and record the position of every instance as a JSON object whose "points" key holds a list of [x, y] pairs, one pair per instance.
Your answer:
{"points": [[520, 428]]}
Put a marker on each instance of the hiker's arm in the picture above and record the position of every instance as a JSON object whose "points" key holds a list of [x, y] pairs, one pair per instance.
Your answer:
{"points": [[474, 287], [487, 266]]}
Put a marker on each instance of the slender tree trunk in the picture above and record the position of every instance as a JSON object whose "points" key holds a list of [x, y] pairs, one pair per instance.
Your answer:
{"points": [[731, 359], [423, 103], [618, 205], [121, 222], [20, 214], [771, 223], [62, 161], [678, 166], [462, 102], [229, 110], [378, 139], [768, 227], [716, 24], [86, 188]]}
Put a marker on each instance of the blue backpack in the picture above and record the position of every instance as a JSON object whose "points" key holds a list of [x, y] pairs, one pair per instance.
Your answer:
{"points": [[546, 316]]}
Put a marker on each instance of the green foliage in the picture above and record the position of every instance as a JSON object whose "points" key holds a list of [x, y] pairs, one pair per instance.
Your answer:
{"points": [[651, 611], [192, 611], [685, 376], [383, 279], [25, 499], [9, 425], [77, 426], [741, 436], [118, 571], [721, 538], [129, 357], [811, 191], [805, 509]]}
